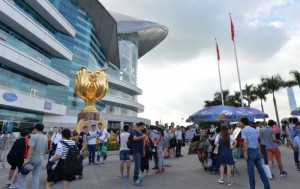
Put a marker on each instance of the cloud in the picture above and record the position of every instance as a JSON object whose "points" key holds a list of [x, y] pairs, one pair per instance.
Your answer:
{"points": [[181, 72]]}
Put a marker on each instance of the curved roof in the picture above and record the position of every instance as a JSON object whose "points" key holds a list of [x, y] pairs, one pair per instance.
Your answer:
{"points": [[150, 33], [106, 29]]}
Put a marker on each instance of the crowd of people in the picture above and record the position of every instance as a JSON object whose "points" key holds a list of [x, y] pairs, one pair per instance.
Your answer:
{"points": [[142, 144]]}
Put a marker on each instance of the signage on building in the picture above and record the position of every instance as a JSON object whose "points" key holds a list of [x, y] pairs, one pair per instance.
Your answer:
{"points": [[48, 106], [10, 97]]}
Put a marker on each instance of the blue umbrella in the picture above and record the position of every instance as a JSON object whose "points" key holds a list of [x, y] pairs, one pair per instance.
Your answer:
{"points": [[252, 113], [296, 111], [216, 114]]}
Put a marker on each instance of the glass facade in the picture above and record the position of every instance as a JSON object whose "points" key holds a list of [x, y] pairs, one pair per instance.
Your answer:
{"points": [[86, 51]]}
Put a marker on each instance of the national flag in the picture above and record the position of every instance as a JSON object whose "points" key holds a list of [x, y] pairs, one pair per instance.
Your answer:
{"points": [[218, 53], [232, 29]]}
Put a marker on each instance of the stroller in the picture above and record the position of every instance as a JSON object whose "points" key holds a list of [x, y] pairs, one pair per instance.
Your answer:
{"points": [[205, 154]]}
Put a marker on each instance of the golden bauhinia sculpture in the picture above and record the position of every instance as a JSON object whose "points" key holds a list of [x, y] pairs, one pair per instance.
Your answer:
{"points": [[90, 87]]}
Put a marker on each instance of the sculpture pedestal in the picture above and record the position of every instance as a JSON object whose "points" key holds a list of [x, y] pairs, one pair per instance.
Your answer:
{"points": [[87, 116]]}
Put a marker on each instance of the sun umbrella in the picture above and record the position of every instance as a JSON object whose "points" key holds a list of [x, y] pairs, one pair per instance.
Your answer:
{"points": [[216, 114], [296, 111], [252, 113]]}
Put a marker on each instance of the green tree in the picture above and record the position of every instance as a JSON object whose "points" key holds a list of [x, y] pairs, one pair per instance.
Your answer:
{"points": [[261, 93], [249, 95], [296, 78], [273, 84]]}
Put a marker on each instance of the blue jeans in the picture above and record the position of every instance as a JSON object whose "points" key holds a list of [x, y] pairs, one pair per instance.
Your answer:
{"points": [[137, 165], [99, 151], [92, 150], [22, 184], [254, 158], [264, 153]]}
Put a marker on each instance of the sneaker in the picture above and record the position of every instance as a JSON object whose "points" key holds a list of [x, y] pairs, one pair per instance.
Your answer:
{"points": [[158, 172], [221, 181], [142, 175], [98, 161], [283, 174], [298, 168], [272, 178], [12, 186], [95, 163], [163, 170], [104, 162], [155, 168], [8, 182], [80, 177], [90, 163], [138, 183], [229, 184], [180, 155]]}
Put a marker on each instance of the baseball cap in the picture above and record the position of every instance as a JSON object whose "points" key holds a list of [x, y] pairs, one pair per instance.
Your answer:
{"points": [[26, 169]]}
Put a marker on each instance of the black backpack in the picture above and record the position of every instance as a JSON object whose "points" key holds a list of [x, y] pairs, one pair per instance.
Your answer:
{"points": [[130, 140], [73, 162]]}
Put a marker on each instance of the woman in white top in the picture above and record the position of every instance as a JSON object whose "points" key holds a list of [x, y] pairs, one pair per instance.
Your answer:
{"points": [[57, 173]]}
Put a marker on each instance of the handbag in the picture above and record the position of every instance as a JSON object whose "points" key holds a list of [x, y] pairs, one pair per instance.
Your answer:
{"points": [[216, 150], [103, 150]]}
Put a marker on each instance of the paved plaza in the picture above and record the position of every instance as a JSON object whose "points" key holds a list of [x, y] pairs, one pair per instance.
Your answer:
{"points": [[180, 173]]}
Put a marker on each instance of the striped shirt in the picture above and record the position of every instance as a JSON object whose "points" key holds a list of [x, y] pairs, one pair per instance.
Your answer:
{"points": [[62, 149]]}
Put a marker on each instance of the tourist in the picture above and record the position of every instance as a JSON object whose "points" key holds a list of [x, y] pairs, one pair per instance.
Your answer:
{"points": [[183, 136], [159, 143], [80, 145], [224, 140], [37, 148], [61, 152], [92, 137], [296, 143], [102, 148], [178, 136], [263, 144], [84, 135], [16, 158], [56, 137], [294, 133], [172, 141], [252, 154], [166, 141], [272, 146], [154, 136], [137, 150], [146, 156], [124, 152]]}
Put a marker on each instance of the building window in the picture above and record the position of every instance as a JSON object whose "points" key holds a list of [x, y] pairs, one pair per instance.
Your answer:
{"points": [[34, 92]]}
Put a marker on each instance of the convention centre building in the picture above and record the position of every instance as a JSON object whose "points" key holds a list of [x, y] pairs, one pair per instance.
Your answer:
{"points": [[42, 45]]}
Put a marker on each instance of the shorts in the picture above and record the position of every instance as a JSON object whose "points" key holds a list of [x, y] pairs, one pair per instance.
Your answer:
{"points": [[274, 152], [15, 162], [125, 155]]}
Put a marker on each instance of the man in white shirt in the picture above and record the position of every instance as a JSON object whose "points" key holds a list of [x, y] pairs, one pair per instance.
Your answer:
{"points": [[56, 137], [103, 135], [178, 136], [92, 136], [124, 151]]}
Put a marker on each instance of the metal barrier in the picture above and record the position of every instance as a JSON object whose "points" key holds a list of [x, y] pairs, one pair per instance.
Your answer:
{"points": [[113, 153]]}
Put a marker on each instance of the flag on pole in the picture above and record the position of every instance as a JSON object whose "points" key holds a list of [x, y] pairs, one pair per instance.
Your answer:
{"points": [[218, 53], [232, 28]]}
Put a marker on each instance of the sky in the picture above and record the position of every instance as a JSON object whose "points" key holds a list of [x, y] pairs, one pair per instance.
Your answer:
{"points": [[181, 73]]}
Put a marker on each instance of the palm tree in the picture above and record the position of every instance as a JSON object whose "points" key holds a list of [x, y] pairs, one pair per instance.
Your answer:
{"points": [[273, 84], [261, 93], [217, 99], [296, 76], [248, 93]]}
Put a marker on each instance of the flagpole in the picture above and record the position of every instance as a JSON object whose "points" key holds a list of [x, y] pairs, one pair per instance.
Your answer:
{"points": [[220, 78], [238, 70]]}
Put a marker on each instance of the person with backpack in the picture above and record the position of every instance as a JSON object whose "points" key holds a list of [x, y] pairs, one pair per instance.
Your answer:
{"points": [[80, 146], [146, 155], [102, 148], [137, 142], [65, 153], [124, 151], [16, 158], [38, 145]]}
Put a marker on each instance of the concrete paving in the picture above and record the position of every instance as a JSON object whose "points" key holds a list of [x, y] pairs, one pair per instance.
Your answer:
{"points": [[181, 173]]}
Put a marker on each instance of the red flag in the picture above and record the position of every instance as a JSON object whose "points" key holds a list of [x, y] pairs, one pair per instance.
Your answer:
{"points": [[218, 53], [232, 29]]}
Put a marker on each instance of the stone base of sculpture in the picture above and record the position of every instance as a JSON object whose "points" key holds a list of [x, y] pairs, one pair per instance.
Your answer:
{"points": [[87, 116]]}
